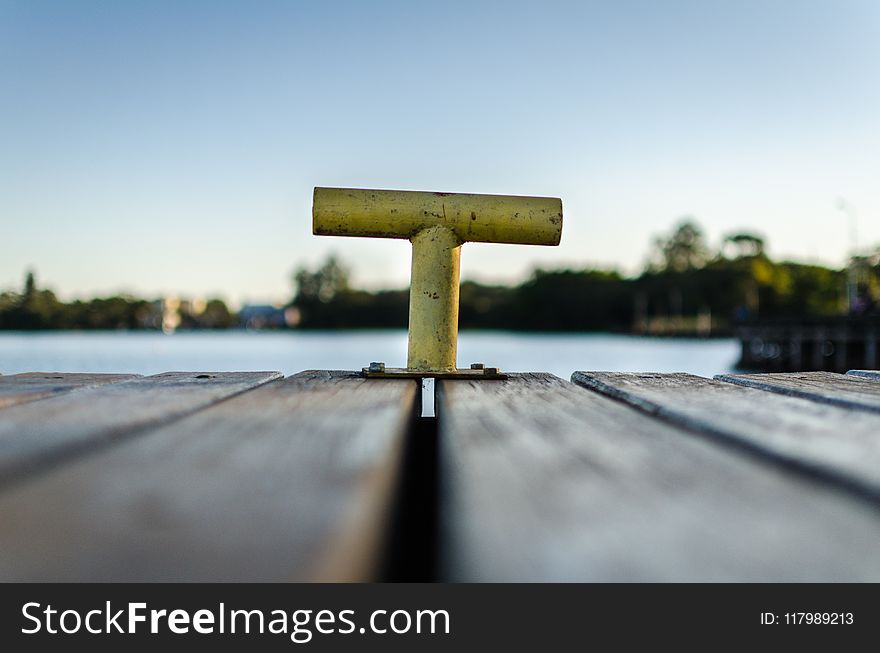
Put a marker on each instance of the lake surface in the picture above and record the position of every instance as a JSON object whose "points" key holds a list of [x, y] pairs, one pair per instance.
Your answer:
{"points": [[293, 351]]}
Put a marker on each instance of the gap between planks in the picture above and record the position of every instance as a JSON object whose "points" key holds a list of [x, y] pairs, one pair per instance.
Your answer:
{"points": [[829, 442], [845, 390]]}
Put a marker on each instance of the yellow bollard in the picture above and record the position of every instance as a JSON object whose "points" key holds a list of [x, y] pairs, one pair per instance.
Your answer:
{"points": [[437, 224]]}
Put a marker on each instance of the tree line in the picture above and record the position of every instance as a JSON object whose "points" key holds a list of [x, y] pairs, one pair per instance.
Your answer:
{"points": [[682, 277], [35, 309], [683, 282]]}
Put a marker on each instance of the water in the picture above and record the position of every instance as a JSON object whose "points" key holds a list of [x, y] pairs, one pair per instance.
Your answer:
{"points": [[294, 351]]}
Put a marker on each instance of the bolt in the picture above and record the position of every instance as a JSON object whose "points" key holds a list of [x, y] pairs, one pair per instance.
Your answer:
{"points": [[490, 370], [377, 367], [476, 366]]}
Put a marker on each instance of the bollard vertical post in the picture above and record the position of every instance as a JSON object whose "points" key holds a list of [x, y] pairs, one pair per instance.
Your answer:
{"points": [[433, 300]]}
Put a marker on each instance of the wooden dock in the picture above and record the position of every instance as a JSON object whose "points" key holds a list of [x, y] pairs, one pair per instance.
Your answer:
{"points": [[325, 475]]}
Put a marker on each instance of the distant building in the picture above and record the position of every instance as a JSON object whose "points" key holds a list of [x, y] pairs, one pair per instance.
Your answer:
{"points": [[161, 314], [170, 313], [266, 316]]}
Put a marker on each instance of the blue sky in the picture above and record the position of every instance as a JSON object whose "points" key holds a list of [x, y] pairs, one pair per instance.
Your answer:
{"points": [[171, 147]]}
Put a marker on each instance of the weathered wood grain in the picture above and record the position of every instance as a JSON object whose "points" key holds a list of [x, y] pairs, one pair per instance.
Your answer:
{"points": [[840, 445], [36, 434], [30, 386], [849, 391], [545, 481], [868, 374], [290, 481]]}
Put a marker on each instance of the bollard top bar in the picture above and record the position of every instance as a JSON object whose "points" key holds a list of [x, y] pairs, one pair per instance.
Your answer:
{"points": [[402, 214]]}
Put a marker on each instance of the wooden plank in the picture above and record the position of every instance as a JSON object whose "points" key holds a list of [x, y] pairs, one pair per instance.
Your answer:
{"points": [[849, 391], [30, 386], [868, 374], [37, 434], [545, 481], [840, 445], [291, 481]]}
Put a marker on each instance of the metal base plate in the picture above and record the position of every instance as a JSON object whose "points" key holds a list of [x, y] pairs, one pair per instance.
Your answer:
{"points": [[485, 374]]}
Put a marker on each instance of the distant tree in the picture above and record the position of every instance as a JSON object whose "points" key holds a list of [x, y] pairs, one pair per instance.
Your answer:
{"points": [[33, 309], [743, 245], [685, 249], [217, 315], [483, 306], [30, 286], [323, 284], [572, 300]]}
